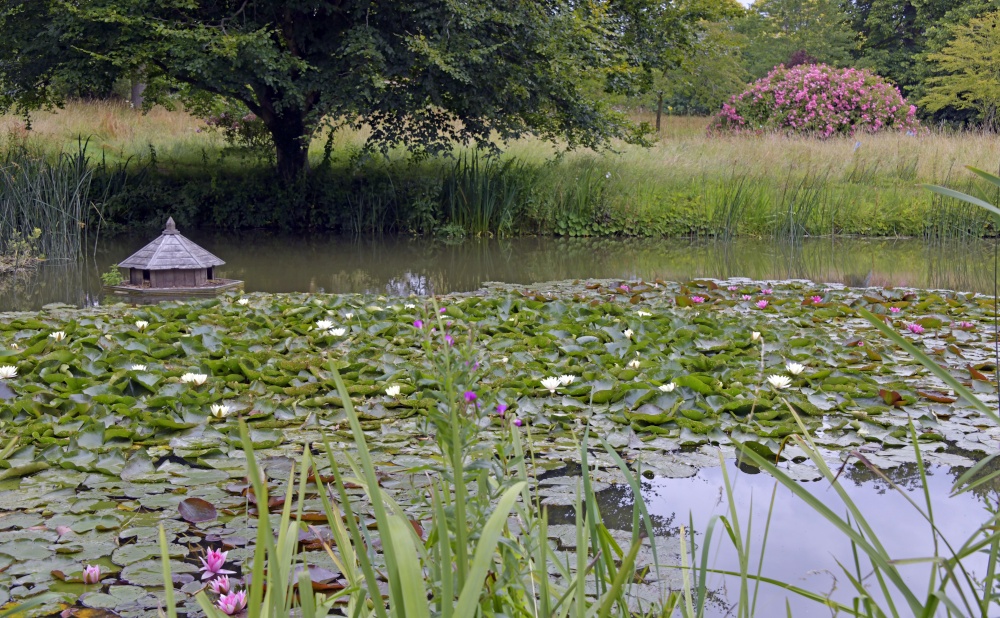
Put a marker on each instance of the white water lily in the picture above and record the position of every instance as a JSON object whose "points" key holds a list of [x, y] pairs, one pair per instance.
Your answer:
{"points": [[58, 335], [567, 379], [552, 383], [668, 387], [779, 382], [141, 325], [754, 336], [337, 332], [348, 315], [628, 333], [795, 368], [244, 301], [503, 360], [194, 378], [138, 367], [634, 363], [410, 306], [392, 391], [643, 314], [7, 372], [324, 325], [220, 410], [14, 346]]}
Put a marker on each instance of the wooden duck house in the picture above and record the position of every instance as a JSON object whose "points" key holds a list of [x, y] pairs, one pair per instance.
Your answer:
{"points": [[173, 264]]}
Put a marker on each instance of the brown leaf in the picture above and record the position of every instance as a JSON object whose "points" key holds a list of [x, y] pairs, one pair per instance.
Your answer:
{"points": [[196, 510], [936, 397], [891, 398], [977, 375]]}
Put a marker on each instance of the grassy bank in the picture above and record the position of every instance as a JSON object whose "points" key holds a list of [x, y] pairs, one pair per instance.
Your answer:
{"points": [[687, 184]]}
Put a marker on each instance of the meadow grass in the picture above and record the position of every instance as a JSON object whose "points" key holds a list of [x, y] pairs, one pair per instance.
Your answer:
{"points": [[688, 183]]}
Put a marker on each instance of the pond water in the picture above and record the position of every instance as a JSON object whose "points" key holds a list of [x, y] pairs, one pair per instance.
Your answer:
{"points": [[404, 266], [803, 549]]}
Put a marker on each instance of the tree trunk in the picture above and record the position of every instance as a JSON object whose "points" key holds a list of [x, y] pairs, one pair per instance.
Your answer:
{"points": [[137, 89], [291, 144], [659, 112]]}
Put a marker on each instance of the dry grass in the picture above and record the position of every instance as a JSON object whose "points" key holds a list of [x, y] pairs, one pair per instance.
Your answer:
{"points": [[684, 150]]}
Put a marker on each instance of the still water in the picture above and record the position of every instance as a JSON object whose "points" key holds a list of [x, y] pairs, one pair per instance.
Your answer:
{"points": [[275, 263], [802, 548]]}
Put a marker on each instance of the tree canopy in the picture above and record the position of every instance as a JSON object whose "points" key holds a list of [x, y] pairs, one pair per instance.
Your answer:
{"points": [[423, 73]]}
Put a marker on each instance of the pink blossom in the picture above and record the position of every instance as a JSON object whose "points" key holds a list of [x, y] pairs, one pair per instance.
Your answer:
{"points": [[733, 288], [966, 325], [220, 585], [761, 304], [418, 324], [766, 291], [894, 309], [469, 396], [501, 409], [817, 300], [915, 328], [91, 574], [517, 422], [212, 564], [697, 299], [747, 297], [232, 602]]}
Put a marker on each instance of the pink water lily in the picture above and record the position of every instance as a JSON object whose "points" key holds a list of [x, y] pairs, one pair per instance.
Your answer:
{"points": [[966, 325], [747, 297], [92, 574], [697, 299], [915, 328], [220, 585], [733, 288], [233, 602], [766, 291], [761, 304], [817, 300], [212, 564], [894, 309]]}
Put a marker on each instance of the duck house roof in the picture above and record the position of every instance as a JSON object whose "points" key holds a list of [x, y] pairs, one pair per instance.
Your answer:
{"points": [[171, 251]]}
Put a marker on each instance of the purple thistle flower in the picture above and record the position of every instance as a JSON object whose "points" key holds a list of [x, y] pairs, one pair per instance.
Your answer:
{"points": [[418, 324], [517, 422], [501, 408], [442, 310], [449, 339], [470, 396]]}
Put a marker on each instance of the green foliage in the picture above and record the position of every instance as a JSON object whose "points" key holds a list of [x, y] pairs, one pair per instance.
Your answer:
{"points": [[113, 276], [709, 74], [777, 29], [968, 70]]}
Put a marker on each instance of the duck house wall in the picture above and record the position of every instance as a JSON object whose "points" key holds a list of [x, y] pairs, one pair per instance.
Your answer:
{"points": [[177, 278]]}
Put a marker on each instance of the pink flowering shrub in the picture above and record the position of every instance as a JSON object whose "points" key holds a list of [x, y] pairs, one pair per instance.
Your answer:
{"points": [[817, 99]]}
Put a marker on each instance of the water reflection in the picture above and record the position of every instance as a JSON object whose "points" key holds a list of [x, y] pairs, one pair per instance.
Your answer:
{"points": [[275, 263], [803, 548]]}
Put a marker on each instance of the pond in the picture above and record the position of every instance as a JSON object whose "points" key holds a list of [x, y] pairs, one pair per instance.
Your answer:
{"points": [[669, 374], [404, 266]]}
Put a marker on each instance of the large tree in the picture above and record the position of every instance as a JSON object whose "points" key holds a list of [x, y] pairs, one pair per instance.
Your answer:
{"points": [[778, 29], [968, 70], [422, 73]]}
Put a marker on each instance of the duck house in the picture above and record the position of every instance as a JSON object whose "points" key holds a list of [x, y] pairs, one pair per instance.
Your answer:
{"points": [[173, 264]]}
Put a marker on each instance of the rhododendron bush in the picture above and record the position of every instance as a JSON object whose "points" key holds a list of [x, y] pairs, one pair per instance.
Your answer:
{"points": [[820, 100]]}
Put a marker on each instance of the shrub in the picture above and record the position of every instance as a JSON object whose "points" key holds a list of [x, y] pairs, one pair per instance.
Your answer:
{"points": [[819, 100]]}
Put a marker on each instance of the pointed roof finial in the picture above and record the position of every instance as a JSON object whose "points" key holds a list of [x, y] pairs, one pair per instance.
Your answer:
{"points": [[171, 228]]}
